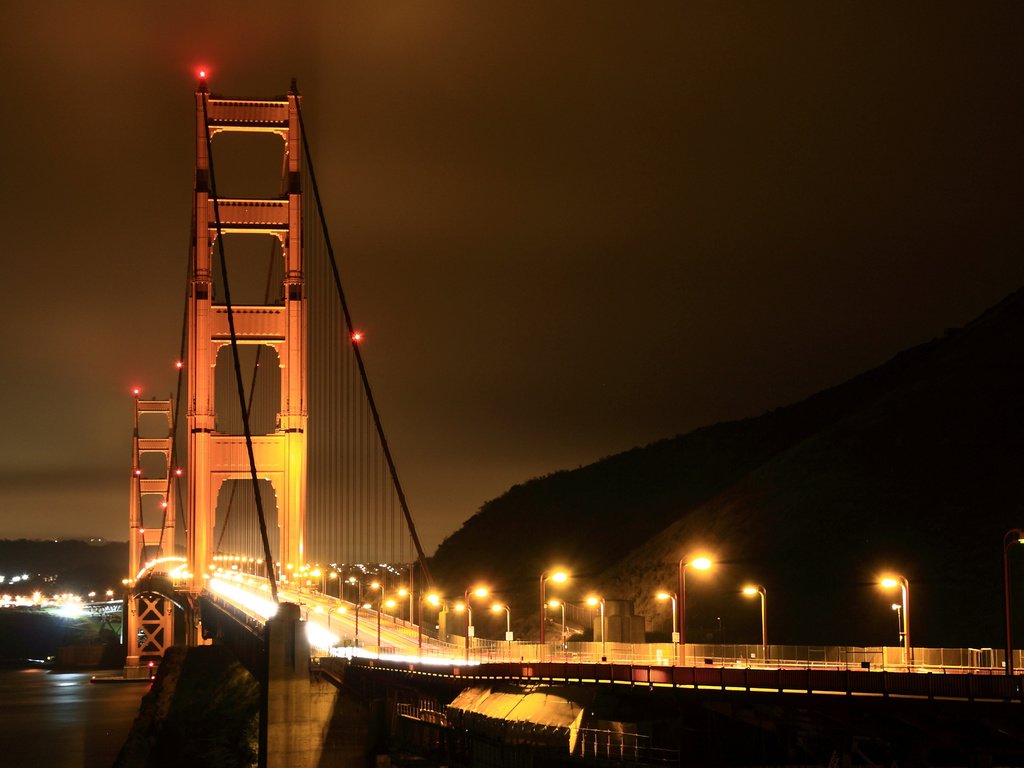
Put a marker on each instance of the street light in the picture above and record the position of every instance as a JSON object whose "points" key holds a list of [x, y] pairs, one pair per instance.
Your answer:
{"points": [[476, 592], [359, 587], [367, 606], [890, 582], [559, 577], [1014, 536], [898, 607], [380, 609], [560, 604], [594, 600], [339, 609], [435, 600], [498, 608], [675, 629], [701, 563], [407, 593], [334, 575], [756, 589]]}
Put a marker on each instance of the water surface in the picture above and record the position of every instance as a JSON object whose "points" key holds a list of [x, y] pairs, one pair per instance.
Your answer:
{"points": [[61, 720]]}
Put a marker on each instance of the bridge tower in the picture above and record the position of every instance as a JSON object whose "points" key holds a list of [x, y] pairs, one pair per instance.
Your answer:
{"points": [[150, 615], [214, 457]]}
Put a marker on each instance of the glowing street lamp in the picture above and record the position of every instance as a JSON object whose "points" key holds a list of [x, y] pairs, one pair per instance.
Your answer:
{"points": [[701, 563], [1014, 536], [435, 600], [498, 608], [756, 589], [898, 607], [559, 604], [559, 577], [675, 628], [406, 593], [592, 601], [365, 607], [339, 609], [359, 587], [475, 592], [381, 605], [891, 582]]}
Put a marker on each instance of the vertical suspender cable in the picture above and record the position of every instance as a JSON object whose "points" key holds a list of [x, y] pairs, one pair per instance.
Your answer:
{"points": [[234, 354], [355, 349]]}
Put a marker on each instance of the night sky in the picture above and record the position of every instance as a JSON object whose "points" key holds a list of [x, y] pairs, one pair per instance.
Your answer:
{"points": [[566, 228]]}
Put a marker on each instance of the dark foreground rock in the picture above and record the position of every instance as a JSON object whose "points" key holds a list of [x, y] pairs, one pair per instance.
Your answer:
{"points": [[203, 709]]}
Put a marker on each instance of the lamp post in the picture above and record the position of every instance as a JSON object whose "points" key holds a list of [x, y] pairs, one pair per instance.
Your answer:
{"points": [[365, 607], [756, 589], [594, 600], [560, 604], [407, 593], [498, 608], [459, 608], [372, 585], [898, 607], [1014, 536], [339, 609], [889, 582], [359, 588], [701, 564], [389, 603], [435, 600], [476, 592], [332, 576], [675, 627], [559, 577]]}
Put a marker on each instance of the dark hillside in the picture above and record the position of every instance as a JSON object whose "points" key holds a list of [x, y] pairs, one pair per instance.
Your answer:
{"points": [[64, 566], [913, 465]]}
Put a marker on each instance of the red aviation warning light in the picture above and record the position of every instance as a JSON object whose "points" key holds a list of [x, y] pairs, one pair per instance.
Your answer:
{"points": [[202, 73], [136, 391], [357, 336], [179, 365], [178, 471]]}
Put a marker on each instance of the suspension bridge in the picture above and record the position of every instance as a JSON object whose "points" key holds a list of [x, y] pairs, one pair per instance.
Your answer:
{"points": [[271, 455], [264, 493]]}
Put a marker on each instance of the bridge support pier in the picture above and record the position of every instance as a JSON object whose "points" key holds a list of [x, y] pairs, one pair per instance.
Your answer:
{"points": [[295, 713]]}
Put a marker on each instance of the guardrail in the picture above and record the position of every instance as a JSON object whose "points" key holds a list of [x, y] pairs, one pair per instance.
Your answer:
{"points": [[881, 658], [849, 682]]}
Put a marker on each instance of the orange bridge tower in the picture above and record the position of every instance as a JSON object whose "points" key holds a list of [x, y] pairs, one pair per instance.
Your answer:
{"points": [[214, 456]]}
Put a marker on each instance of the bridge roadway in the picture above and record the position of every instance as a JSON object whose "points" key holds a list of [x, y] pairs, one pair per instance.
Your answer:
{"points": [[336, 629], [332, 623]]}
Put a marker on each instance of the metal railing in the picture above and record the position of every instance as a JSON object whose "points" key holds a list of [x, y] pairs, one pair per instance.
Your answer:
{"points": [[877, 658]]}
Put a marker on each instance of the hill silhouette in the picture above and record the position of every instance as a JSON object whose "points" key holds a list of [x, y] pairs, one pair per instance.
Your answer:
{"points": [[913, 466]]}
